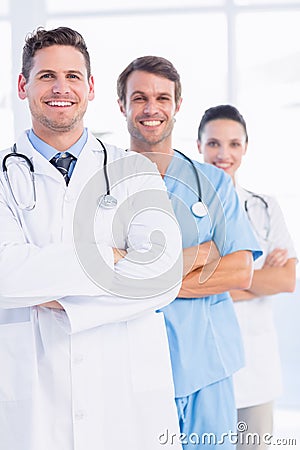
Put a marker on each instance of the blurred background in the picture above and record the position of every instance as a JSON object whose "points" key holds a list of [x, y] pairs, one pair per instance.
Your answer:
{"points": [[243, 52]]}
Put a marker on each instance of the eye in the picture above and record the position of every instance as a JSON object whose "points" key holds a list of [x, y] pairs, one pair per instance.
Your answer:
{"points": [[46, 76], [73, 76], [213, 144], [235, 144], [164, 98], [138, 98]]}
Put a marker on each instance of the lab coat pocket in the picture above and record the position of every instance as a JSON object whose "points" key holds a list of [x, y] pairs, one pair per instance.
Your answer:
{"points": [[17, 361], [149, 354]]}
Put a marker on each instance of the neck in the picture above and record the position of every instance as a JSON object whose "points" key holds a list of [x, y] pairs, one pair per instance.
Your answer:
{"points": [[61, 141]]}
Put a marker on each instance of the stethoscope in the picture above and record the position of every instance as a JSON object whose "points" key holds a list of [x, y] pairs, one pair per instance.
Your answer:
{"points": [[266, 207], [106, 201], [198, 208]]}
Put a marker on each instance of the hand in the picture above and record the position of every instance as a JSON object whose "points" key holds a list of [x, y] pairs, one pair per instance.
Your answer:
{"points": [[118, 254], [53, 304], [276, 258]]}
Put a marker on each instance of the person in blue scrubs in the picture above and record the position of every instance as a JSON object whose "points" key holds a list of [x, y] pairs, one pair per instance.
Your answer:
{"points": [[219, 248]]}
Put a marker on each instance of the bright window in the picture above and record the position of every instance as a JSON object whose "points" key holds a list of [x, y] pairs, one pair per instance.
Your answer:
{"points": [[4, 7], [6, 115], [269, 97], [94, 5]]}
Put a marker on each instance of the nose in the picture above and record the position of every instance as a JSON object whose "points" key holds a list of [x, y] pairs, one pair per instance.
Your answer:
{"points": [[150, 107], [223, 151], [61, 85]]}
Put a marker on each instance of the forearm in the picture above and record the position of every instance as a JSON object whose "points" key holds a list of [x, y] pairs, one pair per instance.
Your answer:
{"points": [[30, 275], [273, 280], [199, 255], [238, 295], [269, 280], [118, 255], [232, 271]]}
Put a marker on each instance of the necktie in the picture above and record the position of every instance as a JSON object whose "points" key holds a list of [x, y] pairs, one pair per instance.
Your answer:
{"points": [[62, 162]]}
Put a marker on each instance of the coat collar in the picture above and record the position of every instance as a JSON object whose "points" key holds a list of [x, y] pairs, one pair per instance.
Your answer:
{"points": [[86, 165]]}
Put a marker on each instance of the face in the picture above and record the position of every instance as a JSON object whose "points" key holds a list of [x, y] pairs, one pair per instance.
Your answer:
{"points": [[150, 109], [223, 144], [57, 90]]}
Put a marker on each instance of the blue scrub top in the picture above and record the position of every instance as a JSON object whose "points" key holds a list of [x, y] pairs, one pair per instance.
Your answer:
{"points": [[204, 335]]}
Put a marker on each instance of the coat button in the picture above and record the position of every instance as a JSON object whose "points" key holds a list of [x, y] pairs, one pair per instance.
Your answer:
{"points": [[78, 359], [79, 415]]}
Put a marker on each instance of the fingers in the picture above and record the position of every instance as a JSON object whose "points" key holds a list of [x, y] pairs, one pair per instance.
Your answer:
{"points": [[53, 304], [118, 254], [277, 257]]}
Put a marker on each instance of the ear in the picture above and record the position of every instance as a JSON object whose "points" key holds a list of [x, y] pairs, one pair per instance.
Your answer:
{"points": [[22, 87], [91, 95], [122, 107], [199, 146], [178, 105], [245, 149]]}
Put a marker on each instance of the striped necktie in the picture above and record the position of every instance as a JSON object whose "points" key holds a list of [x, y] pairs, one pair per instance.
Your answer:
{"points": [[62, 161]]}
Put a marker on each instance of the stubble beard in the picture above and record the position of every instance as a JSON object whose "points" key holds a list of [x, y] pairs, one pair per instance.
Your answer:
{"points": [[60, 126], [151, 140]]}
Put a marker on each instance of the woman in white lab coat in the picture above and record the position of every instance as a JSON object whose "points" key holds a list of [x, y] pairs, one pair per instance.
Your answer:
{"points": [[223, 140], [84, 356]]}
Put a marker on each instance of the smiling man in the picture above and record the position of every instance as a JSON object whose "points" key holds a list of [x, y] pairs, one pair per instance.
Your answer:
{"points": [[84, 355], [218, 243]]}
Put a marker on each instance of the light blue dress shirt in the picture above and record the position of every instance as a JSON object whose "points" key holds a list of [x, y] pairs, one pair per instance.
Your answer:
{"points": [[49, 152]]}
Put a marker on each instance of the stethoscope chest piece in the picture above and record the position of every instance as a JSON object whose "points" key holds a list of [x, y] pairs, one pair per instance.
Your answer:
{"points": [[199, 209], [108, 201]]}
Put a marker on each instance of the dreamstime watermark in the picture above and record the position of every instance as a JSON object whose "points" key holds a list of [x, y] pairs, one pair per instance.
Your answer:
{"points": [[241, 437]]}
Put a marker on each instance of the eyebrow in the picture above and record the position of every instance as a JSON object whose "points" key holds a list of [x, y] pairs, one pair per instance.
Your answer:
{"points": [[76, 72], [144, 93], [137, 92]]}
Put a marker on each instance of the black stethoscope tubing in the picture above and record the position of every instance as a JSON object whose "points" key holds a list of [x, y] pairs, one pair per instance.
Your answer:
{"points": [[265, 203], [260, 198], [195, 172], [105, 167], [107, 200], [29, 164], [198, 208], [14, 153]]}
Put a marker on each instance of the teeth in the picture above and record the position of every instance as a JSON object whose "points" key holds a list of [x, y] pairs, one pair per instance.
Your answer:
{"points": [[59, 103], [151, 123], [223, 166]]}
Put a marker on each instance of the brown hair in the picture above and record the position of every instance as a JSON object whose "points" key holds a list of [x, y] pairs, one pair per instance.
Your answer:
{"points": [[151, 64], [42, 38]]}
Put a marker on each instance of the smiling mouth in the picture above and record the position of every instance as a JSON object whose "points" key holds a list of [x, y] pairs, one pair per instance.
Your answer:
{"points": [[151, 123], [60, 104], [223, 165]]}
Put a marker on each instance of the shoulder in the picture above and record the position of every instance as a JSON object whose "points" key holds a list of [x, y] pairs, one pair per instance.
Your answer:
{"points": [[212, 173], [128, 157], [269, 201], [133, 160], [131, 167], [22, 141], [4, 152]]}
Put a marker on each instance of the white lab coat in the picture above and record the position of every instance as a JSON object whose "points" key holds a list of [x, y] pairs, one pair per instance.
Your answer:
{"points": [[97, 375], [260, 380]]}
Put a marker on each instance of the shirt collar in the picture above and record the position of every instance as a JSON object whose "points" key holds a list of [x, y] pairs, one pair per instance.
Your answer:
{"points": [[48, 151]]}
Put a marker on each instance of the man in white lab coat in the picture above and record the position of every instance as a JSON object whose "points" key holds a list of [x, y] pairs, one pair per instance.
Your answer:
{"points": [[84, 356]]}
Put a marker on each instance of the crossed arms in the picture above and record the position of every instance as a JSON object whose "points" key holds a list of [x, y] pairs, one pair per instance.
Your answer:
{"points": [[207, 273]]}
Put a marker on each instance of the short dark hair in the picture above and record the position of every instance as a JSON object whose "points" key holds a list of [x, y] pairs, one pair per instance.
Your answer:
{"points": [[151, 64], [41, 38], [222, 112]]}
